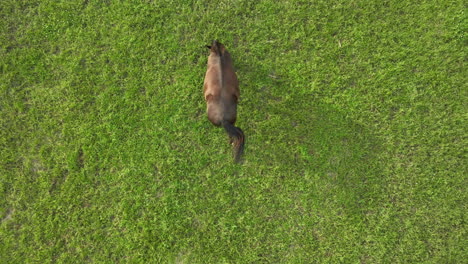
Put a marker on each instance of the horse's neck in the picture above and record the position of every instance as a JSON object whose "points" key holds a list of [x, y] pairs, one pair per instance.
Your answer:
{"points": [[217, 63]]}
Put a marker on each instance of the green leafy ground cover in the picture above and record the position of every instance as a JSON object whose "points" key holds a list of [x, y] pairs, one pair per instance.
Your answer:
{"points": [[354, 113]]}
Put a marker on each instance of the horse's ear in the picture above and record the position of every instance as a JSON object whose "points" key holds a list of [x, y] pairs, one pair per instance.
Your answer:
{"points": [[209, 47]]}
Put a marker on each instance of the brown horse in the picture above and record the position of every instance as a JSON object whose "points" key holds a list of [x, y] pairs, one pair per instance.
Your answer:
{"points": [[221, 90]]}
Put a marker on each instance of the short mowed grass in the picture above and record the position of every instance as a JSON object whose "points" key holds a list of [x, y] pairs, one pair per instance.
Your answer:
{"points": [[354, 114]]}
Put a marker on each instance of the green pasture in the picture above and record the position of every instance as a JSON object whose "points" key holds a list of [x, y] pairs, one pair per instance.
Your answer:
{"points": [[355, 116]]}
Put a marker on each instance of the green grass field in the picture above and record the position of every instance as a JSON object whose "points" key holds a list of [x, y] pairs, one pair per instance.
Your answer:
{"points": [[354, 113]]}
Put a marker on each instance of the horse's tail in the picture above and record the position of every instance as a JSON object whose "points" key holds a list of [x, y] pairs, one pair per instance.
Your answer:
{"points": [[237, 138]]}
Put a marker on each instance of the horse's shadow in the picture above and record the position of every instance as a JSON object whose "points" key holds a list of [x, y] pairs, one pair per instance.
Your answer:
{"points": [[306, 137]]}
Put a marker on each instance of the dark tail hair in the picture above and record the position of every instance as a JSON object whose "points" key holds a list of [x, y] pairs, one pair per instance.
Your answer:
{"points": [[237, 137]]}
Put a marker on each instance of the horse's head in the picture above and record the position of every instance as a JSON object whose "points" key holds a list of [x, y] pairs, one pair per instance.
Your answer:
{"points": [[217, 48]]}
